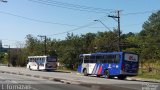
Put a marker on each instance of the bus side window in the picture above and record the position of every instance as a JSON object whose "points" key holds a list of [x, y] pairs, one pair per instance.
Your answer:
{"points": [[110, 58], [86, 59], [30, 60], [40, 60], [99, 58], [34, 59], [92, 59], [117, 58], [105, 59]]}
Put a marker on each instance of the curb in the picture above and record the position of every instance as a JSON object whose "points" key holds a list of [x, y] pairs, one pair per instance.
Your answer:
{"points": [[143, 80]]}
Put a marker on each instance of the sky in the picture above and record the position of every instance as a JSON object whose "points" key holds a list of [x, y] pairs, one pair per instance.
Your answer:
{"points": [[54, 18]]}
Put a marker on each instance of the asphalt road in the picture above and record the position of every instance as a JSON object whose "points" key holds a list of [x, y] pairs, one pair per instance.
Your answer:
{"points": [[84, 83], [8, 81]]}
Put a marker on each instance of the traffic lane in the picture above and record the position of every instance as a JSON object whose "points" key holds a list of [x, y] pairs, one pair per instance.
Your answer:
{"points": [[82, 87], [79, 78], [41, 84], [11, 78], [68, 76], [35, 83], [115, 82]]}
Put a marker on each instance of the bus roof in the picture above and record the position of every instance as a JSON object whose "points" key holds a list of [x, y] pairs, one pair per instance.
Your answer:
{"points": [[103, 53], [37, 56]]}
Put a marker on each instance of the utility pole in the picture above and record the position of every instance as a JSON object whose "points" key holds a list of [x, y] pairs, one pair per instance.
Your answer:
{"points": [[45, 46], [119, 31], [9, 56]]}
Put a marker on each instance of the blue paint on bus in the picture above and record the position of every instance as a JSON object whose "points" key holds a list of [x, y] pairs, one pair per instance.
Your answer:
{"points": [[117, 63]]}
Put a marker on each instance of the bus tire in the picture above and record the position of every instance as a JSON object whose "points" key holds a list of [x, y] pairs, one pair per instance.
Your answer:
{"points": [[106, 74], [85, 72], [38, 67], [122, 77], [30, 68]]}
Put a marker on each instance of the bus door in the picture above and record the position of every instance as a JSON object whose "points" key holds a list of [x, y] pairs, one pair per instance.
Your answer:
{"points": [[130, 64], [85, 64], [92, 64], [114, 64], [34, 64], [88, 63], [41, 63], [80, 62]]}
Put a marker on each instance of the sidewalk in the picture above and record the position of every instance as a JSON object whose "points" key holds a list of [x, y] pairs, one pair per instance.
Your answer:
{"points": [[143, 79]]}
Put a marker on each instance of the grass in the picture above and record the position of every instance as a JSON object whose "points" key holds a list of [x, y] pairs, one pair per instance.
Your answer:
{"points": [[149, 76], [150, 70]]}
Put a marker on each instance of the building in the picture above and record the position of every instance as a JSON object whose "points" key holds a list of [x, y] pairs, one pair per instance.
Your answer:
{"points": [[2, 49]]}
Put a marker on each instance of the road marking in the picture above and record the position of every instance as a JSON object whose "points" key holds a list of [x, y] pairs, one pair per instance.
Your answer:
{"points": [[8, 81], [14, 82], [34, 88]]}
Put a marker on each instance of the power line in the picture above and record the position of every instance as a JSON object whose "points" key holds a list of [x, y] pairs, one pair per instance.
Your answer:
{"points": [[71, 6], [48, 22], [84, 26], [41, 21], [136, 13], [83, 8], [79, 27], [36, 20]]}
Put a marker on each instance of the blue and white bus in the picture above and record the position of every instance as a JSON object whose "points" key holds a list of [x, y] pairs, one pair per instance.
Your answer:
{"points": [[109, 64], [42, 63]]}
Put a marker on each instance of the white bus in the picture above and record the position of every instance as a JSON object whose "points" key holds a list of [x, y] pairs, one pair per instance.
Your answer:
{"points": [[42, 63]]}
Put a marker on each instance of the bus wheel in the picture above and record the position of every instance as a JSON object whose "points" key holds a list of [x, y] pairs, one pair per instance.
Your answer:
{"points": [[106, 74], [122, 77], [37, 67], [98, 75], [85, 72], [30, 68]]}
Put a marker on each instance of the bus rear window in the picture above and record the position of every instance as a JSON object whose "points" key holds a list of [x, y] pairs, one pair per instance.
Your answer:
{"points": [[51, 59], [131, 57]]}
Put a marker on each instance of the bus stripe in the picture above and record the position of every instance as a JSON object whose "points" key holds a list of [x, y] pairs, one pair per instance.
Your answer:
{"points": [[97, 69], [100, 69], [94, 69]]}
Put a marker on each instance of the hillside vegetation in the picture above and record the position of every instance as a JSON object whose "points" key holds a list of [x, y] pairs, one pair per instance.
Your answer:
{"points": [[146, 43]]}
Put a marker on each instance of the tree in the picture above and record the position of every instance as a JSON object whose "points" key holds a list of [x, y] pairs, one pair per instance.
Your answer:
{"points": [[106, 41], [149, 37]]}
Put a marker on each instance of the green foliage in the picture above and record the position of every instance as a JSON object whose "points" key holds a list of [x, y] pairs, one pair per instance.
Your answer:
{"points": [[149, 37], [146, 44], [3, 58]]}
